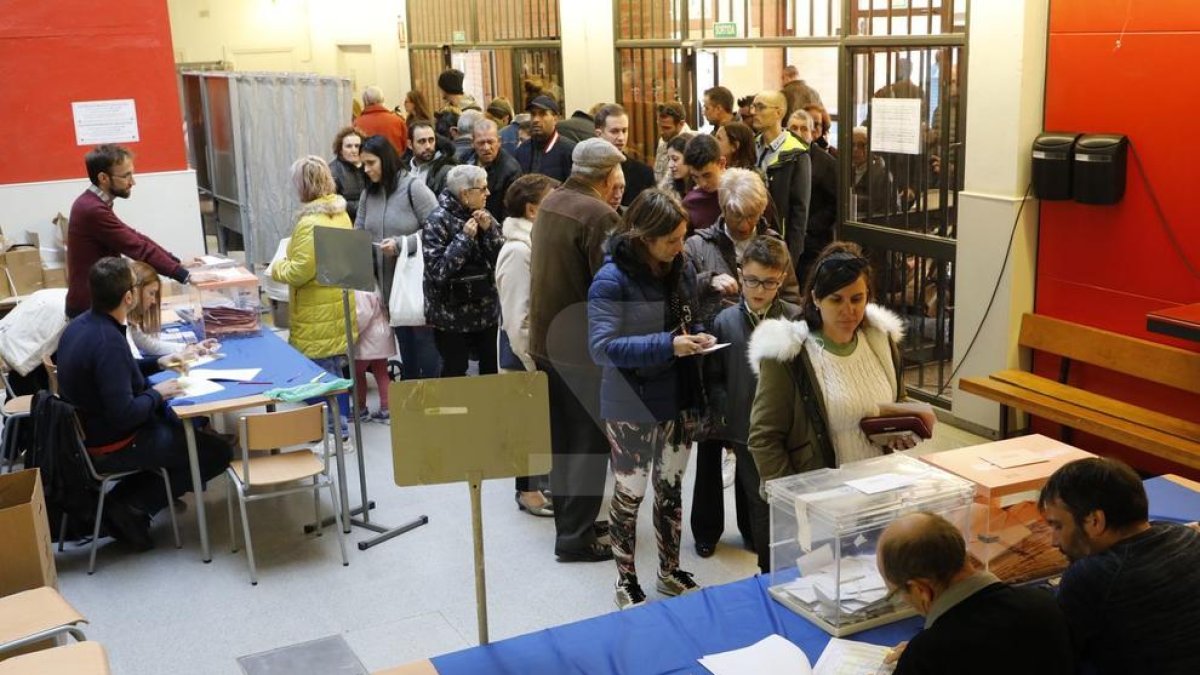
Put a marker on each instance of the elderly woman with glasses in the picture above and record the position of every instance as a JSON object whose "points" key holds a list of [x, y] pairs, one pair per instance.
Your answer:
{"points": [[716, 253], [461, 241], [821, 375]]}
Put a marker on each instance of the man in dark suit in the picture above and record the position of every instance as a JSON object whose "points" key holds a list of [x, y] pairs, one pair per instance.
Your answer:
{"points": [[612, 124], [974, 623]]}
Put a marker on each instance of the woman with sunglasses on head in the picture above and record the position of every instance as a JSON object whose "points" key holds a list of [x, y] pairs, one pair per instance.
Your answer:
{"points": [[821, 375]]}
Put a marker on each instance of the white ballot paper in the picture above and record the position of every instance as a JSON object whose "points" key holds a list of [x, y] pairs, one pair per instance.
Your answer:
{"points": [[228, 374], [197, 386], [1010, 459], [769, 656], [714, 348], [847, 657]]}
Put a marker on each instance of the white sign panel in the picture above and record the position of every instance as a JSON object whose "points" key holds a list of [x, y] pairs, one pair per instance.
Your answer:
{"points": [[896, 125], [105, 121]]}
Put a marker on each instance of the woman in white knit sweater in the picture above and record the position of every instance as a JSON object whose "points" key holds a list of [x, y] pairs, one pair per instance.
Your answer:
{"points": [[819, 376], [513, 283]]}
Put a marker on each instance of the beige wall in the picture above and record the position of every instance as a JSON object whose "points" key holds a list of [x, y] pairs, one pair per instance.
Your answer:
{"points": [[352, 38]]}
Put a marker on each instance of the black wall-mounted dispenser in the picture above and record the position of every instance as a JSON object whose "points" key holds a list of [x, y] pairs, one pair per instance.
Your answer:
{"points": [[1099, 168], [1053, 157]]}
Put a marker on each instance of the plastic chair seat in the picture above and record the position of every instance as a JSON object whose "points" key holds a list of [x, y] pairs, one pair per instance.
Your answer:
{"points": [[19, 405], [276, 469], [35, 611], [78, 658]]}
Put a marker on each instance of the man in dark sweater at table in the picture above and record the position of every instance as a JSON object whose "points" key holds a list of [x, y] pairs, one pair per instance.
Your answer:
{"points": [[125, 421], [95, 231], [1132, 592], [974, 623]]}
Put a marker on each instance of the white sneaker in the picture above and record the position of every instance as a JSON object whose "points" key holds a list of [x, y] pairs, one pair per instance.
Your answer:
{"points": [[728, 468], [629, 594]]}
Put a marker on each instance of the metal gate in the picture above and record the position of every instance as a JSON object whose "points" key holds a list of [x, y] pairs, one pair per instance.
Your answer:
{"points": [[906, 217], [505, 47]]}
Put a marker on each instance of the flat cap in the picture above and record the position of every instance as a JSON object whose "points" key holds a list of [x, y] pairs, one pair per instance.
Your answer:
{"points": [[596, 155]]}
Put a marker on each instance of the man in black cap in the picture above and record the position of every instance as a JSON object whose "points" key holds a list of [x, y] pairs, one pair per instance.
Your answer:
{"points": [[612, 124], [450, 84], [546, 152]]}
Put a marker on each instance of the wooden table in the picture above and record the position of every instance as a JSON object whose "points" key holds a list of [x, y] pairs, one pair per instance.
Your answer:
{"points": [[1182, 321]]}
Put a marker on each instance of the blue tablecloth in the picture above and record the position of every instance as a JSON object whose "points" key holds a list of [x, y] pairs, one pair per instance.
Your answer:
{"points": [[668, 637], [281, 366], [660, 637]]}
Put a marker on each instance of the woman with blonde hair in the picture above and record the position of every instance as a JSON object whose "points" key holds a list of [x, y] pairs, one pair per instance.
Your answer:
{"points": [[315, 310], [145, 318]]}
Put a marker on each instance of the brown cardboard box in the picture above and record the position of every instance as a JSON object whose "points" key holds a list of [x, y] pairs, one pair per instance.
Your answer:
{"points": [[26, 558], [54, 277], [24, 265]]}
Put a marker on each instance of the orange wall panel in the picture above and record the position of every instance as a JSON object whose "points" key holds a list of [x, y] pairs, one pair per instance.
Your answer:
{"points": [[54, 53]]}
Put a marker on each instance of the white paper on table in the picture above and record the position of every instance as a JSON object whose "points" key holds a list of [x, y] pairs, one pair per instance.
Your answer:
{"points": [[896, 125], [770, 655], [1009, 459], [882, 483], [846, 657], [204, 360], [229, 375], [194, 386], [714, 348]]}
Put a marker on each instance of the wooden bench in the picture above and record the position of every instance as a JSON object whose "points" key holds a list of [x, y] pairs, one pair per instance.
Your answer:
{"points": [[1155, 433]]}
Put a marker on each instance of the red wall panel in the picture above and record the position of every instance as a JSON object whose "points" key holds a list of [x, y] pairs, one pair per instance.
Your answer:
{"points": [[1107, 266], [53, 53]]}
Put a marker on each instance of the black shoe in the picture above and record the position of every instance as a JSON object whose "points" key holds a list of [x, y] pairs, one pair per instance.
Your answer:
{"points": [[595, 552], [128, 525], [705, 550]]}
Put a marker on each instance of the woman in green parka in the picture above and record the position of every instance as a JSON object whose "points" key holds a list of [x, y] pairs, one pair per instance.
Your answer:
{"points": [[820, 375]]}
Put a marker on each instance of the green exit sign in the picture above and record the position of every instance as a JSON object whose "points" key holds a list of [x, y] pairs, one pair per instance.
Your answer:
{"points": [[459, 36], [725, 29]]}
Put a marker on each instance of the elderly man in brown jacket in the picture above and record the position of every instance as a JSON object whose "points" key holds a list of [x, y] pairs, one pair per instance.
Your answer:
{"points": [[572, 225]]}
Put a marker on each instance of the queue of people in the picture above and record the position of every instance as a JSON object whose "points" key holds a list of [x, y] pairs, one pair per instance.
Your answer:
{"points": [[565, 257]]}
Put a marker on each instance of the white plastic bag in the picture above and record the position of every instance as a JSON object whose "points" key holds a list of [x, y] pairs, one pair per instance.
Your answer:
{"points": [[276, 290], [407, 303]]}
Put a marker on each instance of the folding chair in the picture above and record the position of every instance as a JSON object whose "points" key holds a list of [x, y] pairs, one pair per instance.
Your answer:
{"points": [[266, 476], [77, 658], [104, 479], [15, 409], [29, 617]]}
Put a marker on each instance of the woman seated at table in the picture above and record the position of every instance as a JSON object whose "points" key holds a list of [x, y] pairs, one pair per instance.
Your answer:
{"points": [[145, 319], [641, 309], [819, 376], [315, 310]]}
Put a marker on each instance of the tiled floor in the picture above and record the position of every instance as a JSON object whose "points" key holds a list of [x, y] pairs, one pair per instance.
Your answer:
{"points": [[166, 612]]}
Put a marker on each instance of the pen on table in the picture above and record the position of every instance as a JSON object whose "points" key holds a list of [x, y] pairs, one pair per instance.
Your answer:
{"points": [[256, 383]]}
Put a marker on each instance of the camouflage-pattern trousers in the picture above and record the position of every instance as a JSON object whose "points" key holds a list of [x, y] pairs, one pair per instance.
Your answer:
{"points": [[636, 448]]}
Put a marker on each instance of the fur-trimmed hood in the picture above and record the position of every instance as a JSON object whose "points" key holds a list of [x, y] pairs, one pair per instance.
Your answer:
{"points": [[328, 205], [518, 229], [782, 340]]}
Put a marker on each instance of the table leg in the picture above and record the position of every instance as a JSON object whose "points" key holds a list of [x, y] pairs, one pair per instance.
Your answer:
{"points": [[340, 457], [189, 431]]}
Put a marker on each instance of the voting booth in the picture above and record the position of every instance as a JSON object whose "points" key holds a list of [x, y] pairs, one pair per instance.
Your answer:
{"points": [[825, 528]]}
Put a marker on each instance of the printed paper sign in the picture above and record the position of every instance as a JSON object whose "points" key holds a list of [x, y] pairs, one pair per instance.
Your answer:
{"points": [[105, 121], [896, 125]]}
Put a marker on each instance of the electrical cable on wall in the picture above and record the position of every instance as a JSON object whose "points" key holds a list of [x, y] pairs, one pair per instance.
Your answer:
{"points": [[1162, 217], [1012, 235]]}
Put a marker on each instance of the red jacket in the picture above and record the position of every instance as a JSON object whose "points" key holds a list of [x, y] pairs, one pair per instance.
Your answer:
{"points": [[376, 120], [95, 232]]}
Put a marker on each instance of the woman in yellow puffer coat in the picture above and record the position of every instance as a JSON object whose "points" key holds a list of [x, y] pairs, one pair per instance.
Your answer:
{"points": [[315, 311]]}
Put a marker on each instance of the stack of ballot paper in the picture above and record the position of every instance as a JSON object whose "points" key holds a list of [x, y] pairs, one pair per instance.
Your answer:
{"points": [[774, 654], [859, 594]]}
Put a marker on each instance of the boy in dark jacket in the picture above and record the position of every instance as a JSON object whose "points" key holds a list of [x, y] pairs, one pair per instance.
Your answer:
{"points": [[731, 382]]}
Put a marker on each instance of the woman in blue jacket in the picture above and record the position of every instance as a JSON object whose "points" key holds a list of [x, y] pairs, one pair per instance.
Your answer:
{"points": [[640, 313]]}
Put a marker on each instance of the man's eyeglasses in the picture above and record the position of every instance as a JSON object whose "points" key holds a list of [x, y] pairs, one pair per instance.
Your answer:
{"points": [[755, 282], [761, 106], [123, 176]]}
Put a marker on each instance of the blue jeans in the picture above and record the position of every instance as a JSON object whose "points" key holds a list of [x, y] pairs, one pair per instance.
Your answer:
{"points": [[418, 353], [335, 365]]}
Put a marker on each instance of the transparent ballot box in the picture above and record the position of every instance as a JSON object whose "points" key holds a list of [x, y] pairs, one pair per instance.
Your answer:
{"points": [[1009, 537], [825, 527], [225, 303]]}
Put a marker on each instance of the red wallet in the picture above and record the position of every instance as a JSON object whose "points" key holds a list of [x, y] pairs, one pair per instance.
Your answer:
{"points": [[889, 424]]}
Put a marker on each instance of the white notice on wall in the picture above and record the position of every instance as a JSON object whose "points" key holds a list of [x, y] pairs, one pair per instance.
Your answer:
{"points": [[105, 121], [896, 125]]}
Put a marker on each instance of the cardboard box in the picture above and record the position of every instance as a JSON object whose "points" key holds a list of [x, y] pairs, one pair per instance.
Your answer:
{"points": [[54, 277], [26, 558], [24, 264]]}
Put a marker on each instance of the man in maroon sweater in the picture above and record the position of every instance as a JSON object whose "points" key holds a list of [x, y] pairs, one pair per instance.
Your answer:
{"points": [[95, 231]]}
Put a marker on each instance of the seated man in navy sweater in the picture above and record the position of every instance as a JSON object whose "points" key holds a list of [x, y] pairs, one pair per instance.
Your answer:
{"points": [[125, 421], [974, 623], [1132, 592]]}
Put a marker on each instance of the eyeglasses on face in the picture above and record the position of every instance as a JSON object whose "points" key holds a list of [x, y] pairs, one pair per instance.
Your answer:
{"points": [[762, 106], [768, 284], [123, 176]]}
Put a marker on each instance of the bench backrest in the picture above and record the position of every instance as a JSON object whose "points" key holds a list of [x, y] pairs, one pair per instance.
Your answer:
{"points": [[1143, 359]]}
